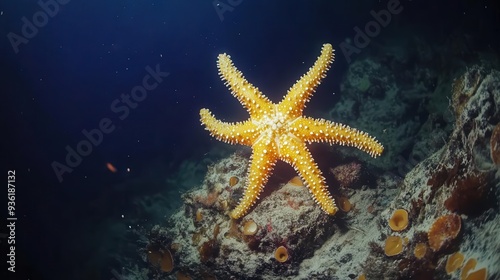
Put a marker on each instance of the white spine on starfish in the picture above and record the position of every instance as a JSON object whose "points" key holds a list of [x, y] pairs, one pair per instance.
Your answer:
{"points": [[279, 131]]}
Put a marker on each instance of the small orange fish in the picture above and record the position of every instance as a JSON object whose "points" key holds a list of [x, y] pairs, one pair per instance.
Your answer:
{"points": [[111, 167]]}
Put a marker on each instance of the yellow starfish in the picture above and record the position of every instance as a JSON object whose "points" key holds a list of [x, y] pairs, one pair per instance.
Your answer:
{"points": [[279, 131]]}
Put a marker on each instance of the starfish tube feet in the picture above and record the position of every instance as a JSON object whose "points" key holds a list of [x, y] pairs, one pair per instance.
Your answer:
{"points": [[280, 131], [261, 165]]}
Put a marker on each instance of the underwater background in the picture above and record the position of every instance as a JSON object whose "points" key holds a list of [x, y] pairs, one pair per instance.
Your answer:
{"points": [[110, 174]]}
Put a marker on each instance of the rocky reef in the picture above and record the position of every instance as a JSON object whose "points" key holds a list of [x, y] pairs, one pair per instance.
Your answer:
{"points": [[271, 240], [440, 221]]}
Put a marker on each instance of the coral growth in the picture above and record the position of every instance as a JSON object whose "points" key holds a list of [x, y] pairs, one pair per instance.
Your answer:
{"points": [[399, 220], [296, 181], [420, 250], [479, 274], [250, 227], [347, 174], [233, 181], [281, 254], [344, 204], [286, 218], [393, 245], [469, 193], [440, 196], [454, 262], [460, 178], [468, 274], [160, 258], [443, 231]]}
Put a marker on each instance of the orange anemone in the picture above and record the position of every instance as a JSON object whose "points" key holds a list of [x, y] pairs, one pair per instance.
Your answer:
{"points": [[281, 254], [393, 245], [399, 220], [444, 230]]}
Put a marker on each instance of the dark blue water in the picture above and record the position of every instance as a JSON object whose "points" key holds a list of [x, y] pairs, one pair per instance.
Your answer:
{"points": [[73, 82]]}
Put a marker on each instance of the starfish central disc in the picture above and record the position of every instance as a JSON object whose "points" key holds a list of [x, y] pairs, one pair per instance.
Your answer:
{"points": [[272, 125], [280, 132]]}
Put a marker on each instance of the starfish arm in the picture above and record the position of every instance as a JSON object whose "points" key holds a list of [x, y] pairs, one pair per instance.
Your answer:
{"points": [[279, 131], [320, 130], [294, 152], [294, 102], [246, 93], [240, 132], [261, 166]]}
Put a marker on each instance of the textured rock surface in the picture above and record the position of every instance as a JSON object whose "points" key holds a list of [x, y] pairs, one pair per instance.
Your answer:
{"points": [[460, 178], [398, 95], [212, 243]]}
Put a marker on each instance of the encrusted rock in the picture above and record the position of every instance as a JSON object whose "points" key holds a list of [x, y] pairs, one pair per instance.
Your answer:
{"points": [[459, 181], [287, 217]]}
